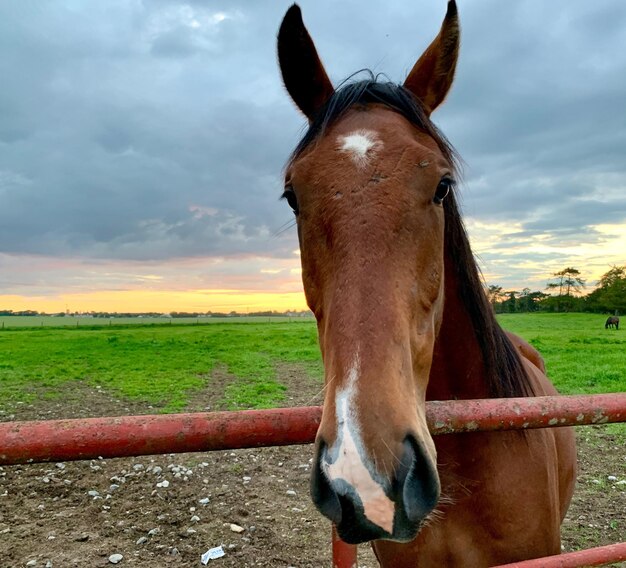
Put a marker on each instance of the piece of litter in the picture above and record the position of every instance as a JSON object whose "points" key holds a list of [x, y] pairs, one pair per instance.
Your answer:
{"points": [[212, 554], [236, 528]]}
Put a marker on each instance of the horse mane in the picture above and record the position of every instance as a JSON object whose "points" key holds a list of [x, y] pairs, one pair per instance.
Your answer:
{"points": [[505, 374]]}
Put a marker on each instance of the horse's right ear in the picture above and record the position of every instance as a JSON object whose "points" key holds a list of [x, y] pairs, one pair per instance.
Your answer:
{"points": [[302, 70]]}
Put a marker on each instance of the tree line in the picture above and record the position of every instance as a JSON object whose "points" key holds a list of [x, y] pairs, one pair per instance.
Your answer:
{"points": [[565, 293], [209, 314]]}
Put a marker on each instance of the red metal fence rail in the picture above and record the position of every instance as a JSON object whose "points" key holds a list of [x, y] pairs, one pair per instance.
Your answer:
{"points": [[90, 438], [591, 557], [124, 436]]}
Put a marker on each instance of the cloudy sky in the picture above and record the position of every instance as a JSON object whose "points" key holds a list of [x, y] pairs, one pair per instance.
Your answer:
{"points": [[142, 143]]}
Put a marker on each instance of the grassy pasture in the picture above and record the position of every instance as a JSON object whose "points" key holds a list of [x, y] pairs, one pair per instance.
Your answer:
{"points": [[581, 356], [164, 365], [160, 365]]}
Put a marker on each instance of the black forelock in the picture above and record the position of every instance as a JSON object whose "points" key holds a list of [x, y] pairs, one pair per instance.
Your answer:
{"points": [[370, 91]]}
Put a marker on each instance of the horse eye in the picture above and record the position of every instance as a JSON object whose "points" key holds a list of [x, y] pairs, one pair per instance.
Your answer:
{"points": [[442, 190], [290, 195]]}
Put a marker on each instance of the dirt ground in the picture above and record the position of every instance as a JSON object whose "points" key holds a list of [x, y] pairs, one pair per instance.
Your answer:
{"points": [[168, 510]]}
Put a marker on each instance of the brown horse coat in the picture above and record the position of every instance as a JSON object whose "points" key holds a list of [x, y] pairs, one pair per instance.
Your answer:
{"points": [[402, 318]]}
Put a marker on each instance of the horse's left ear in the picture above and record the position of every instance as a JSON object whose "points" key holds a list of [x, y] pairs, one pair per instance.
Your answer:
{"points": [[303, 72], [432, 75]]}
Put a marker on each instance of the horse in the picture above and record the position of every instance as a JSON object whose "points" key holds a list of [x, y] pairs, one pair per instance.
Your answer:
{"points": [[402, 318], [612, 321]]}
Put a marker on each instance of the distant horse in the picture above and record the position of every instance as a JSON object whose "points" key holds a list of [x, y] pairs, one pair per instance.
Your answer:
{"points": [[402, 318], [612, 321]]}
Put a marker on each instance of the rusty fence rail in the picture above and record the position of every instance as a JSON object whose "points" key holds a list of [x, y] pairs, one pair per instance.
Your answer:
{"points": [[599, 556], [125, 436]]}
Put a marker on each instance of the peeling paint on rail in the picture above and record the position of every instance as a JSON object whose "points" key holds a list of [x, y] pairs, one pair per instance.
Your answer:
{"points": [[599, 556], [125, 436]]}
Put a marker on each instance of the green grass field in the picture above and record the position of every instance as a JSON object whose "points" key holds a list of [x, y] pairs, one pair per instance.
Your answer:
{"points": [[165, 365], [581, 356], [161, 365]]}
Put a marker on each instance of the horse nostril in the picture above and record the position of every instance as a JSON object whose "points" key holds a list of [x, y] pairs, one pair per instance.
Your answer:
{"points": [[417, 481], [363, 509], [322, 493]]}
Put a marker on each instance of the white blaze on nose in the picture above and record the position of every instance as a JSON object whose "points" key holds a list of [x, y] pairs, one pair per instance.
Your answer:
{"points": [[359, 145], [350, 465]]}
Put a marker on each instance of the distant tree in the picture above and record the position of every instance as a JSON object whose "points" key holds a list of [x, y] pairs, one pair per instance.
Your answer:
{"points": [[573, 282], [530, 301], [510, 304], [610, 295], [616, 275], [495, 295], [569, 281]]}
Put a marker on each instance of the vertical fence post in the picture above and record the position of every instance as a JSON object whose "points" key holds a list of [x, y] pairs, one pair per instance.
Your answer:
{"points": [[344, 554]]}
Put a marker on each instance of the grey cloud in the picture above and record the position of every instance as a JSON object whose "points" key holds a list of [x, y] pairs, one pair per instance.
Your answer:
{"points": [[576, 215], [565, 236], [113, 173], [118, 120]]}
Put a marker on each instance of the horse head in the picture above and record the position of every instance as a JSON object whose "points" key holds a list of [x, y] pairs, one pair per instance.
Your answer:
{"points": [[368, 185]]}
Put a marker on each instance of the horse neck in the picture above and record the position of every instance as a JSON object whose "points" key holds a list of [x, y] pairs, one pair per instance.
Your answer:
{"points": [[457, 369]]}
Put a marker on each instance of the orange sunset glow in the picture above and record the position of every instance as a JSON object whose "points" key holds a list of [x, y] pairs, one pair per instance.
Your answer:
{"points": [[135, 301]]}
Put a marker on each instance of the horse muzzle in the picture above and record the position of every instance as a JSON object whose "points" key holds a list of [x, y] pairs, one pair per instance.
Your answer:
{"points": [[366, 506]]}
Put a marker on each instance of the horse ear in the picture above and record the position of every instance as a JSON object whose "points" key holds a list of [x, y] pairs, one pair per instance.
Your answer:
{"points": [[432, 75], [302, 70]]}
